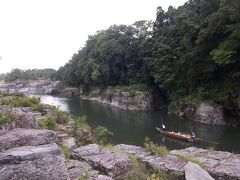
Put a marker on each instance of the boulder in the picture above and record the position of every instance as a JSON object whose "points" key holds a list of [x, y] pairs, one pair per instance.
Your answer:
{"points": [[25, 137], [107, 161], [33, 163], [22, 119], [195, 172], [210, 114]]}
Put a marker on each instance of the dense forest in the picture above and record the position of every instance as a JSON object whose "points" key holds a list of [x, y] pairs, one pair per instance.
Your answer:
{"points": [[192, 51], [30, 74]]}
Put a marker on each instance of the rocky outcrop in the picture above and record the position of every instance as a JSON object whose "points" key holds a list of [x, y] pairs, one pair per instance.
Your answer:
{"points": [[210, 114], [25, 137], [138, 101], [33, 87], [33, 162], [195, 172], [220, 165], [109, 162], [22, 118]]}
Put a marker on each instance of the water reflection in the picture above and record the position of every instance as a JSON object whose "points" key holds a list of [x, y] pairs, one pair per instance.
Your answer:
{"points": [[132, 127]]}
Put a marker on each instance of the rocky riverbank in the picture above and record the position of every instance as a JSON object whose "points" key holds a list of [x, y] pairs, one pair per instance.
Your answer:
{"points": [[34, 154], [33, 87], [27, 152]]}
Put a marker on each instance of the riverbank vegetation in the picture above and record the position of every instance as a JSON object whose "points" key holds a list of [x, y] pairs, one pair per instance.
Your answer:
{"points": [[190, 51], [29, 74]]}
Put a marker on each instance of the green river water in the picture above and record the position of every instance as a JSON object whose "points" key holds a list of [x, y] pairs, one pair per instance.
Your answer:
{"points": [[132, 127]]}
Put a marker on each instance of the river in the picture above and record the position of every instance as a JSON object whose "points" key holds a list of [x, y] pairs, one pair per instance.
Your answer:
{"points": [[132, 127]]}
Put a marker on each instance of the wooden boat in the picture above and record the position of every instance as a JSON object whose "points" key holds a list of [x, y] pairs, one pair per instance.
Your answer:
{"points": [[178, 136]]}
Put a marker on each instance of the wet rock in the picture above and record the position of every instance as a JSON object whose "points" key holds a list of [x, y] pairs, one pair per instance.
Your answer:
{"points": [[210, 114], [25, 137], [33, 162], [22, 119], [195, 172], [109, 162]]}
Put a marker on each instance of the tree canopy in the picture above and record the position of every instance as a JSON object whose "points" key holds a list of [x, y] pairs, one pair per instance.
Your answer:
{"points": [[192, 49]]}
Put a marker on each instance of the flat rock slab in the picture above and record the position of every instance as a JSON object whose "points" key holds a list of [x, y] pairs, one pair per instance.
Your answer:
{"points": [[80, 170], [25, 137], [111, 163], [220, 164], [195, 172], [33, 163]]}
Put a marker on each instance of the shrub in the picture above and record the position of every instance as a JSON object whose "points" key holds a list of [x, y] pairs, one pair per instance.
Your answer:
{"points": [[138, 171], [47, 123], [23, 101], [154, 148], [65, 150], [6, 117], [161, 175], [102, 135], [62, 117]]}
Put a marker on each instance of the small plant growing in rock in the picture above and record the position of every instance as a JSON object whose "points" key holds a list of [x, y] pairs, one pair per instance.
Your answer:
{"points": [[47, 123], [154, 148], [102, 135], [65, 150], [6, 117]]}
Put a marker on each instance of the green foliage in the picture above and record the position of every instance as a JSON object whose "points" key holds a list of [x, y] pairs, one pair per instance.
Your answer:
{"points": [[80, 122], [192, 50], [62, 117], [65, 150], [154, 148], [102, 135], [6, 117], [161, 175], [30, 74], [138, 171], [19, 101], [47, 123]]}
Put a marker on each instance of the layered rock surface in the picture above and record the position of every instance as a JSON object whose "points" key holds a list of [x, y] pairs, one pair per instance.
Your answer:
{"points": [[33, 162], [220, 165], [111, 163], [25, 137]]}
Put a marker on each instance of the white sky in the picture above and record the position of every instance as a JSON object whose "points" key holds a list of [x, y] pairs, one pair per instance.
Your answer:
{"points": [[46, 33]]}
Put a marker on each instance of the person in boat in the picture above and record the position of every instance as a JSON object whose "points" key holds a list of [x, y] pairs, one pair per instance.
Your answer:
{"points": [[163, 126], [193, 135]]}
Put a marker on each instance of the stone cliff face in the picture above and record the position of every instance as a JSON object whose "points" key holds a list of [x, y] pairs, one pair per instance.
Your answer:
{"points": [[137, 101]]}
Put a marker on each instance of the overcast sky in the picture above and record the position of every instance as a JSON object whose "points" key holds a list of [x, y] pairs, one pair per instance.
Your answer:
{"points": [[46, 33]]}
